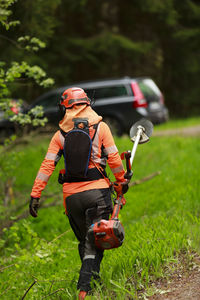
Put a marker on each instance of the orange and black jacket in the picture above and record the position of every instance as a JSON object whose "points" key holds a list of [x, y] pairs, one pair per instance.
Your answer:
{"points": [[102, 142]]}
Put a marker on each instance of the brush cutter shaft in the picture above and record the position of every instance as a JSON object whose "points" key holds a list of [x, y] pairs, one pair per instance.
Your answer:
{"points": [[139, 133], [116, 211], [119, 202], [108, 234]]}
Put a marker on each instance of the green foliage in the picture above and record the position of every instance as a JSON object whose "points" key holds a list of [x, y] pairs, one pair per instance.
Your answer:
{"points": [[9, 74], [9, 161], [149, 244], [34, 117], [91, 39], [161, 221], [34, 43], [5, 12], [38, 17], [18, 70], [21, 70]]}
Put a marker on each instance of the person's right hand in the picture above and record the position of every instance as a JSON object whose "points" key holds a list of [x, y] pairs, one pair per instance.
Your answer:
{"points": [[33, 206], [121, 187]]}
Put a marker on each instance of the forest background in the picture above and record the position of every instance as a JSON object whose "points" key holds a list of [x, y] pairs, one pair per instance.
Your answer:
{"points": [[89, 40]]}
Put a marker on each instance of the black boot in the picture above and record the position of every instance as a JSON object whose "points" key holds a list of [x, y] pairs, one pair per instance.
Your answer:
{"points": [[85, 275]]}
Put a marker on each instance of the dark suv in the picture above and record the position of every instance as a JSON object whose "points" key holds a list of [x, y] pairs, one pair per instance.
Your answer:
{"points": [[120, 102]]}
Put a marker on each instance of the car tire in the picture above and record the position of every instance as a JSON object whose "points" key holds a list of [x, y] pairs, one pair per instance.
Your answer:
{"points": [[6, 133], [114, 125]]}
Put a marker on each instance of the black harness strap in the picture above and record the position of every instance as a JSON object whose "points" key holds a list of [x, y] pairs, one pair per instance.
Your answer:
{"points": [[92, 174]]}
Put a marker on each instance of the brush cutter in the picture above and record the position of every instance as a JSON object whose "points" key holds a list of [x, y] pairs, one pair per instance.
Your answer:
{"points": [[108, 234]]}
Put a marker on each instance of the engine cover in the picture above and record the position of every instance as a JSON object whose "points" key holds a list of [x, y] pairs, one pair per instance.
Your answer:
{"points": [[106, 234]]}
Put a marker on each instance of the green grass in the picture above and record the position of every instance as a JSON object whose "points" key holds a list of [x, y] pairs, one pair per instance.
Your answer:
{"points": [[180, 123], [161, 220]]}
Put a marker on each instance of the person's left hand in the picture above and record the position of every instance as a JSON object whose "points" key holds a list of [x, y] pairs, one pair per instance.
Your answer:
{"points": [[33, 206]]}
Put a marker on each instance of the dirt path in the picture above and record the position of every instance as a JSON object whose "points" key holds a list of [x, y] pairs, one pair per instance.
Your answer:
{"points": [[183, 284], [187, 131], [180, 288]]}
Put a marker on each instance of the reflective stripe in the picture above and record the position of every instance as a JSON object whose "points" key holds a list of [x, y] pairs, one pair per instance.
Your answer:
{"points": [[101, 161], [95, 150], [89, 257], [62, 140], [111, 149], [118, 169], [42, 176], [51, 156]]}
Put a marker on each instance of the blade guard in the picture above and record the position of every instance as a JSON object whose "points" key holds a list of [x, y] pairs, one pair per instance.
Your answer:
{"points": [[143, 138], [147, 130]]}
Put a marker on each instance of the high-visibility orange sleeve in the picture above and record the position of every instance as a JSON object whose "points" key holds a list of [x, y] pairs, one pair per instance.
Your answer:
{"points": [[48, 165]]}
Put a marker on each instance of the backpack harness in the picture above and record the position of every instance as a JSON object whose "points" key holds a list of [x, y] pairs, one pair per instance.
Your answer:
{"points": [[77, 152]]}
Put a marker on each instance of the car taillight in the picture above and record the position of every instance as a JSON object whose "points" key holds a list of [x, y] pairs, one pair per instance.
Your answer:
{"points": [[14, 107], [15, 110], [162, 99], [139, 100]]}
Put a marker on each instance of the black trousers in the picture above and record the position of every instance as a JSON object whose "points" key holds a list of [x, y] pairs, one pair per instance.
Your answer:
{"points": [[84, 209]]}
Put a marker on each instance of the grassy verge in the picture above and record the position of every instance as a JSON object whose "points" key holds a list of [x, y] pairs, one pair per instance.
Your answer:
{"points": [[180, 123], [161, 220]]}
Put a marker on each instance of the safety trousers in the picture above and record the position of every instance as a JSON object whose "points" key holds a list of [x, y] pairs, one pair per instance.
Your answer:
{"points": [[84, 209]]}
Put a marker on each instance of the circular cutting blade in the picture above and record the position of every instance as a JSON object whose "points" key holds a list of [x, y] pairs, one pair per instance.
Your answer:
{"points": [[146, 124]]}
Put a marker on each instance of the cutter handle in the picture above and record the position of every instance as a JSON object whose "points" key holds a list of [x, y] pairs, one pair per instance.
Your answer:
{"points": [[127, 156]]}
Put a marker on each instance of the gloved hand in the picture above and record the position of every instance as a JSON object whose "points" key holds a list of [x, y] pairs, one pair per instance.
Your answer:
{"points": [[121, 187], [33, 206]]}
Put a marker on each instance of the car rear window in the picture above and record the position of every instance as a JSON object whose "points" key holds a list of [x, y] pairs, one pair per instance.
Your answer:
{"points": [[107, 92], [149, 90], [50, 101]]}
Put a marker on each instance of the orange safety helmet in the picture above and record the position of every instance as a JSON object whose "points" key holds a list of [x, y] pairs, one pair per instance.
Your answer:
{"points": [[74, 96]]}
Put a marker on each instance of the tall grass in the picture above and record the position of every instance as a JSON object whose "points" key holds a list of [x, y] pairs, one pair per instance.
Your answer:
{"points": [[161, 219]]}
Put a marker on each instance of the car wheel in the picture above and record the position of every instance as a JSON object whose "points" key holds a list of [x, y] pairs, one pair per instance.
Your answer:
{"points": [[6, 133], [114, 125]]}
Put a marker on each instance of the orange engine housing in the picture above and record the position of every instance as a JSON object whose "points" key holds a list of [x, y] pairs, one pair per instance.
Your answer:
{"points": [[107, 234]]}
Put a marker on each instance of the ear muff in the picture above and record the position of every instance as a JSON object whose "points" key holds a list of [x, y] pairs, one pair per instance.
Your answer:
{"points": [[62, 108]]}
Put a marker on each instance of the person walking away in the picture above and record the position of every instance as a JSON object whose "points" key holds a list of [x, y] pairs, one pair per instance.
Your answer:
{"points": [[87, 145]]}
